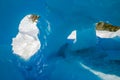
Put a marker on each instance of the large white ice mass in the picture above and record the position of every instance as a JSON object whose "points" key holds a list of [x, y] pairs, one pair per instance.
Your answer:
{"points": [[26, 42]]}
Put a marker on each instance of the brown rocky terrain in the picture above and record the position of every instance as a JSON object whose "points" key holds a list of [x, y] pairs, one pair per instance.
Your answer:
{"points": [[106, 27]]}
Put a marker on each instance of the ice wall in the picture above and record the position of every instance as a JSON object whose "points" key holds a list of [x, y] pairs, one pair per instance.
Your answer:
{"points": [[26, 43]]}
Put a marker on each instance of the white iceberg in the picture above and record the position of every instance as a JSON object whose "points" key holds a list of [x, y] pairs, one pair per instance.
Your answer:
{"points": [[26, 43], [107, 34]]}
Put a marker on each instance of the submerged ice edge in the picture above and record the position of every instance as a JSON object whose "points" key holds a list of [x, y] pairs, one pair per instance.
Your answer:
{"points": [[103, 76], [26, 42]]}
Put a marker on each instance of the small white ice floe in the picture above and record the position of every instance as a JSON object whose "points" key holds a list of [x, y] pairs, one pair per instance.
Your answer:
{"points": [[73, 36], [26, 42]]}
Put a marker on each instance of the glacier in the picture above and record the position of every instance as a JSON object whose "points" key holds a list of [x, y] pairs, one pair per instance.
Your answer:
{"points": [[62, 44]]}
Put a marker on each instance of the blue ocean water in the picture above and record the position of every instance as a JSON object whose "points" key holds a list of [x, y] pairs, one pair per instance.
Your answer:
{"points": [[38, 68], [11, 14], [13, 11]]}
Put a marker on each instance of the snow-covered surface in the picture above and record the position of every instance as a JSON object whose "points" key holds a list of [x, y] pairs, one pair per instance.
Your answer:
{"points": [[26, 43], [107, 34]]}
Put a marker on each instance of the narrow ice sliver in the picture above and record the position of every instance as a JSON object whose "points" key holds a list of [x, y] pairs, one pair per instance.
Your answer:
{"points": [[103, 76], [26, 42]]}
